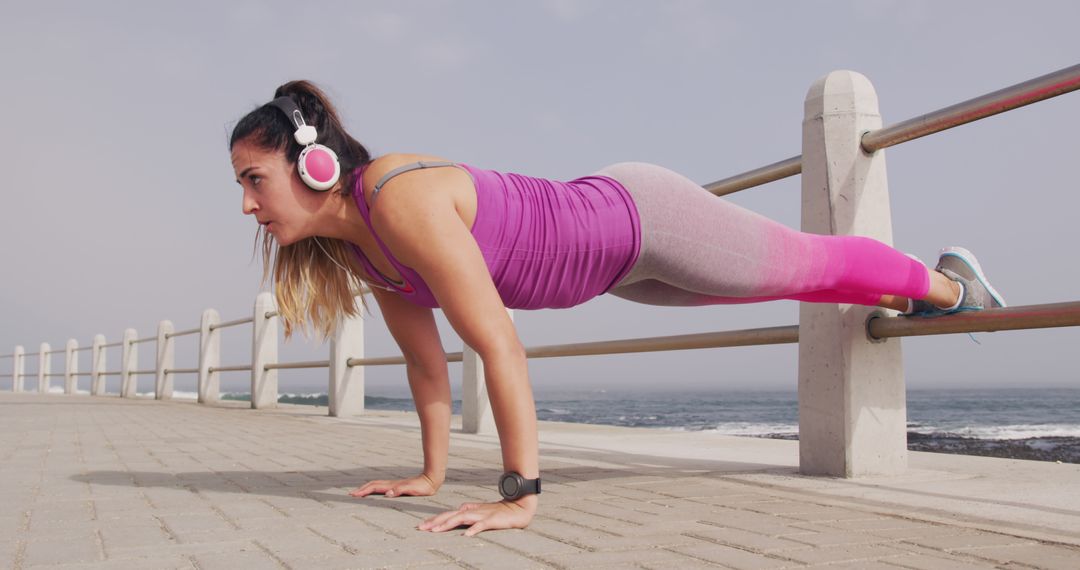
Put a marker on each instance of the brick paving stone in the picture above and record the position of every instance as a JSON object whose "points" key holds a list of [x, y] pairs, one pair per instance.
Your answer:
{"points": [[875, 524], [620, 559], [835, 538], [968, 540], [120, 537], [252, 557], [731, 557], [771, 525], [485, 556], [746, 540], [843, 553], [401, 558], [57, 549], [157, 563], [528, 543], [928, 562], [186, 527], [1038, 555]]}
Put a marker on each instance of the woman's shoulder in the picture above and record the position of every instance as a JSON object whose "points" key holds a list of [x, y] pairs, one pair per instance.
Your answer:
{"points": [[383, 165]]}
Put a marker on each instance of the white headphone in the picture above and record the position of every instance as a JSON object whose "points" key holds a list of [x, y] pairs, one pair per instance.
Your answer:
{"points": [[318, 165]]}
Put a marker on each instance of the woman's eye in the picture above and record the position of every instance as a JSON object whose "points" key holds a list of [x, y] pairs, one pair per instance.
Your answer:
{"points": [[254, 178]]}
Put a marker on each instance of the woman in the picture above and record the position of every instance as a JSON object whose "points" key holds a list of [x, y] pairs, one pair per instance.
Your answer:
{"points": [[475, 242]]}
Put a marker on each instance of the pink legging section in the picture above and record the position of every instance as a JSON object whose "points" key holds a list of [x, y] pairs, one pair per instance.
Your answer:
{"points": [[700, 249]]}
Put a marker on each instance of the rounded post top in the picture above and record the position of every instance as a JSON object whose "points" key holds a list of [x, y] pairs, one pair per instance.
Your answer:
{"points": [[72, 344], [842, 91]]}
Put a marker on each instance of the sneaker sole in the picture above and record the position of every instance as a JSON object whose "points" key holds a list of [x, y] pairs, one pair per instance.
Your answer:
{"points": [[969, 259]]}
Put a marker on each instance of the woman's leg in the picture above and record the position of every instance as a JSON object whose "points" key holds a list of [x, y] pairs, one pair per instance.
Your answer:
{"points": [[700, 249]]}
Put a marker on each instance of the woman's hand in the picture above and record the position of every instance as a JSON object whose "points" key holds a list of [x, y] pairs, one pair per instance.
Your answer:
{"points": [[485, 516], [420, 486]]}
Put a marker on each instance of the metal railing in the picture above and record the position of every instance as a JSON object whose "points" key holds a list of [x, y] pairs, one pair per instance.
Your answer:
{"points": [[1015, 96], [879, 324]]}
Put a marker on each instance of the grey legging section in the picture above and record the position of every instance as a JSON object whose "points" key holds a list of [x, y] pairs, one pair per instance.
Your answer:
{"points": [[700, 249]]}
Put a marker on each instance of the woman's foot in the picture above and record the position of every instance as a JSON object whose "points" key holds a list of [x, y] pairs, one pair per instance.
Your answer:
{"points": [[976, 293]]}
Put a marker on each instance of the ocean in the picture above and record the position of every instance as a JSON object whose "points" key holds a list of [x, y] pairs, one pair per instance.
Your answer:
{"points": [[1039, 424]]}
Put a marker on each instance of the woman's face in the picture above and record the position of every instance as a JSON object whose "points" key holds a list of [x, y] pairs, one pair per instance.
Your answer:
{"points": [[274, 193]]}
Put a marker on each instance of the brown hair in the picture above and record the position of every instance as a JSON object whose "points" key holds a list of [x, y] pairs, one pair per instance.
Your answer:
{"points": [[308, 285]]}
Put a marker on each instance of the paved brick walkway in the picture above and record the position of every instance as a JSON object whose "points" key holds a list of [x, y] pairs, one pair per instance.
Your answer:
{"points": [[106, 482]]}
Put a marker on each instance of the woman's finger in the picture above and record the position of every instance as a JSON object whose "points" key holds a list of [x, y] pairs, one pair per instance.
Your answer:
{"points": [[372, 487], [477, 527], [438, 519], [467, 517]]}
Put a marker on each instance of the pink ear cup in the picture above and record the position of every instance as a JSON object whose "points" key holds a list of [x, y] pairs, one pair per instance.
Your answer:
{"points": [[319, 165]]}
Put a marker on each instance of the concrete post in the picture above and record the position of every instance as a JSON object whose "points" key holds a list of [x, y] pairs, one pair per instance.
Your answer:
{"points": [[97, 366], [346, 390], [209, 357], [129, 362], [71, 366], [18, 368], [43, 368], [264, 350], [166, 358], [852, 407], [476, 415]]}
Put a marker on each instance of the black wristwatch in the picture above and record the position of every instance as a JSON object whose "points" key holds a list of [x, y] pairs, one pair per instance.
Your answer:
{"points": [[513, 486]]}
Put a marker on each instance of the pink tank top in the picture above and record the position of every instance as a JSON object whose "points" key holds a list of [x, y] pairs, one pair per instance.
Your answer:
{"points": [[546, 243]]}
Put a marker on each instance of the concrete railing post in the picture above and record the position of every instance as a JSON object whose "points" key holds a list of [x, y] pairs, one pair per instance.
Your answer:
{"points": [[209, 357], [97, 365], [129, 362], [71, 366], [852, 408], [166, 357], [264, 350], [43, 368], [476, 416], [18, 368], [346, 390]]}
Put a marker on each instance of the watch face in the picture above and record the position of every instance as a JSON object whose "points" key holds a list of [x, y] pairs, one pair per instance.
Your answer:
{"points": [[508, 486]]}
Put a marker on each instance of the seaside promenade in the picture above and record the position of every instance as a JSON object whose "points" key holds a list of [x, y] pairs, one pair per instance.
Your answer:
{"points": [[109, 482]]}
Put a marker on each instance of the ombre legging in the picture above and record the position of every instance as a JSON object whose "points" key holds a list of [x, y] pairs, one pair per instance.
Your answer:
{"points": [[700, 249]]}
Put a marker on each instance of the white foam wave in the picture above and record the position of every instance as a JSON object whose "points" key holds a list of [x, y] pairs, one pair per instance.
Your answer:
{"points": [[748, 428], [1018, 431]]}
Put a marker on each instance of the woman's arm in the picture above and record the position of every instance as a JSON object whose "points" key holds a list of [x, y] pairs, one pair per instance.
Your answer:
{"points": [[424, 231], [413, 328]]}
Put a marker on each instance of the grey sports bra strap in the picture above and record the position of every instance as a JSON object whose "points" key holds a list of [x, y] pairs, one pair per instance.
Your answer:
{"points": [[412, 166]]}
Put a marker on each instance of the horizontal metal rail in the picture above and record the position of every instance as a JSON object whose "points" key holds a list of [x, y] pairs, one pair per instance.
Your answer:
{"points": [[84, 348], [382, 361], [7, 375], [143, 372], [147, 339], [233, 323], [182, 333], [115, 373], [1032, 91], [181, 370], [294, 365], [8, 356], [30, 354], [110, 345], [55, 375], [757, 177], [1019, 95], [82, 373], [1011, 318], [269, 314], [239, 368], [746, 337]]}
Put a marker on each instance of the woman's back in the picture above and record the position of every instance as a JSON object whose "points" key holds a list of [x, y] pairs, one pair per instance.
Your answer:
{"points": [[547, 243]]}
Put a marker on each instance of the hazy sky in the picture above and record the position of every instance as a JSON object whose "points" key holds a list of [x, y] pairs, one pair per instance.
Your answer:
{"points": [[120, 207]]}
